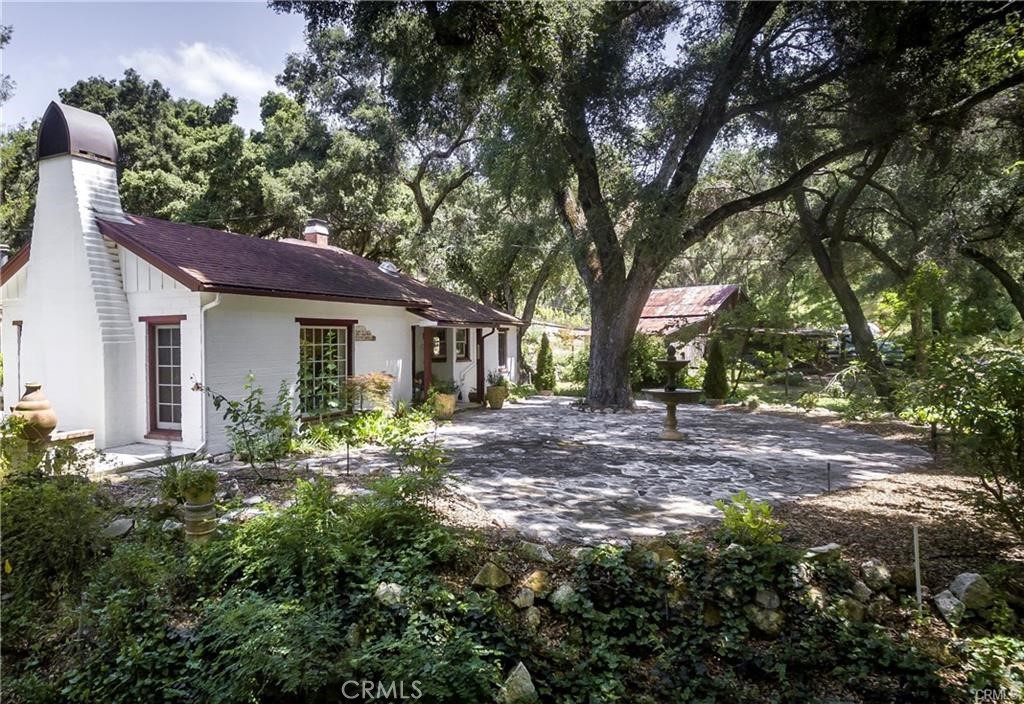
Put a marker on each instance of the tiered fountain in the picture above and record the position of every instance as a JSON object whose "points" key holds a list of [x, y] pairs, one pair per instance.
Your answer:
{"points": [[670, 395]]}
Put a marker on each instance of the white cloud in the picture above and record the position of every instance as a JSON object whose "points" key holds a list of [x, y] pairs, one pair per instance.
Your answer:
{"points": [[205, 72]]}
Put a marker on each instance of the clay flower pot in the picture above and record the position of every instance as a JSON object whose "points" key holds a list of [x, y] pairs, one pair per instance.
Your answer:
{"points": [[496, 396], [35, 408], [444, 406]]}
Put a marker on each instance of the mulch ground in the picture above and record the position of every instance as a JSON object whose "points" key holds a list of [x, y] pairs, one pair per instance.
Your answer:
{"points": [[875, 520]]}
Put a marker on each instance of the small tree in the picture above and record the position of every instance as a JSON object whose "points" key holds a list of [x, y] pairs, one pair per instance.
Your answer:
{"points": [[544, 377], [716, 385]]}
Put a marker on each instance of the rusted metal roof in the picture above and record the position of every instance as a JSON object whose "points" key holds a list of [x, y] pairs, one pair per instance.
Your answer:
{"points": [[669, 309]]}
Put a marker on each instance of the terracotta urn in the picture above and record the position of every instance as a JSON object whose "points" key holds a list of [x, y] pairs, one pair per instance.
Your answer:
{"points": [[35, 408]]}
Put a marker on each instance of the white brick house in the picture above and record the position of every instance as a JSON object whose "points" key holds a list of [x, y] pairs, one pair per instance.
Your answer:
{"points": [[118, 316]]}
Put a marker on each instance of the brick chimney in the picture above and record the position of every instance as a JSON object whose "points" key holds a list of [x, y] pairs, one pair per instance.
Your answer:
{"points": [[316, 232]]}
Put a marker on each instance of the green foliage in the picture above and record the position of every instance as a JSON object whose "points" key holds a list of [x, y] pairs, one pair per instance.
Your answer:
{"points": [[747, 522], [379, 426], [258, 432], [996, 664], [544, 375], [979, 395], [517, 392], [644, 350], [716, 385]]}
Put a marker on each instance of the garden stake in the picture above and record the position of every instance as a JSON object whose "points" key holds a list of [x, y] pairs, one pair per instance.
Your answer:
{"points": [[828, 474], [917, 568]]}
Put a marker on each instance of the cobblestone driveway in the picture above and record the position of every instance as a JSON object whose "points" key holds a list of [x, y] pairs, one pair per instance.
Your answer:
{"points": [[560, 474]]}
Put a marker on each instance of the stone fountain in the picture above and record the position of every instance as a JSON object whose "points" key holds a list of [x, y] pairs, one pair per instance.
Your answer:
{"points": [[670, 395]]}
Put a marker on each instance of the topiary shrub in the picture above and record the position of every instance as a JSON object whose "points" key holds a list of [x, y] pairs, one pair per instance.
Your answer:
{"points": [[716, 385], [544, 378]]}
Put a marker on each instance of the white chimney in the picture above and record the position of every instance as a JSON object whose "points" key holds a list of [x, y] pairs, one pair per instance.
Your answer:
{"points": [[74, 286], [316, 232]]}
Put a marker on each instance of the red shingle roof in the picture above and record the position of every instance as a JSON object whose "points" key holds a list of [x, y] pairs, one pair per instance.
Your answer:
{"points": [[203, 259], [668, 309]]}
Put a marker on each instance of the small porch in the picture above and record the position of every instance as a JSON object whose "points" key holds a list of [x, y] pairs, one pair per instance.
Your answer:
{"points": [[461, 355]]}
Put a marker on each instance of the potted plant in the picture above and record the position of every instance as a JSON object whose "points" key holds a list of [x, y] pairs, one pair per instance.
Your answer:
{"points": [[197, 484], [716, 385], [443, 394], [497, 389], [544, 379]]}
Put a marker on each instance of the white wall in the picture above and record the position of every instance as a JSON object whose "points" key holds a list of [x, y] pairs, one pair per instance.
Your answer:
{"points": [[153, 293], [259, 334], [12, 299]]}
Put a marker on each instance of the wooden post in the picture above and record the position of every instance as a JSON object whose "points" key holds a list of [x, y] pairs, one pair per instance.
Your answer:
{"points": [[480, 380], [428, 356]]}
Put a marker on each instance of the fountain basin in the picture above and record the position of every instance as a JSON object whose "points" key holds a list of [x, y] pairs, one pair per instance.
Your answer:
{"points": [[671, 399]]}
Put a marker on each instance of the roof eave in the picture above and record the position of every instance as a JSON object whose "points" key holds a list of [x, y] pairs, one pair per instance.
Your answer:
{"points": [[14, 264]]}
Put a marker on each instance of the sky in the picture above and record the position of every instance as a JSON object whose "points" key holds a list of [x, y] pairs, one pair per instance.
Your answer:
{"points": [[195, 49]]}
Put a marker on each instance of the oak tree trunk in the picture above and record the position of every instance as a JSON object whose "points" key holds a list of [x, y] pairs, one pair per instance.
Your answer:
{"points": [[614, 316]]}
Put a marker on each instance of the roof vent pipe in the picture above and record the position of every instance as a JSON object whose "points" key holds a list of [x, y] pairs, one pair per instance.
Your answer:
{"points": [[316, 232]]}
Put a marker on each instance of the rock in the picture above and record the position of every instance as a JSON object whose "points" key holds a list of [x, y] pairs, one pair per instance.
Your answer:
{"points": [[801, 573], [662, 551], [878, 608], [158, 509], [973, 590], [861, 592], [815, 596], [851, 609], [491, 576], [712, 616], [729, 592], [249, 513], [253, 500], [539, 582], [903, 577], [951, 608], [562, 596], [767, 599], [518, 687], [678, 590], [229, 490], [876, 574], [580, 553], [524, 599], [172, 526], [354, 635], [118, 528], [823, 553], [389, 593], [533, 617], [767, 621], [536, 552]]}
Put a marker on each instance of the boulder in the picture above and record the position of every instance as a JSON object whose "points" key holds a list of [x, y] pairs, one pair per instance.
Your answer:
{"points": [[769, 622], [851, 609], [662, 551], [712, 616], [903, 577], [815, 596], [518, 687], [253, 500], [389, 593], [879, 607], [533, 617], [876, 575], [861, 592], [822, 553], [801, 573], [562, 596], [580, 553], [536, 552], [118, 528], [158, 509], [172, 526], [524, 599], [539, 582], [491, 576], [951, 608], [767, 599], [973, 590]]}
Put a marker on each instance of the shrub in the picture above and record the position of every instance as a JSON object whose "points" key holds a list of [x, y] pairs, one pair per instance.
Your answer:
{"points": [[258, 432], [979, 396], [747, 522], [371, 390], [644, 350], [544, 378], [716, 385]]}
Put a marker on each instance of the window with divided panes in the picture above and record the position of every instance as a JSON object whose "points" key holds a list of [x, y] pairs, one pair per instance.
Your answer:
{"points": [[323, 368]]}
